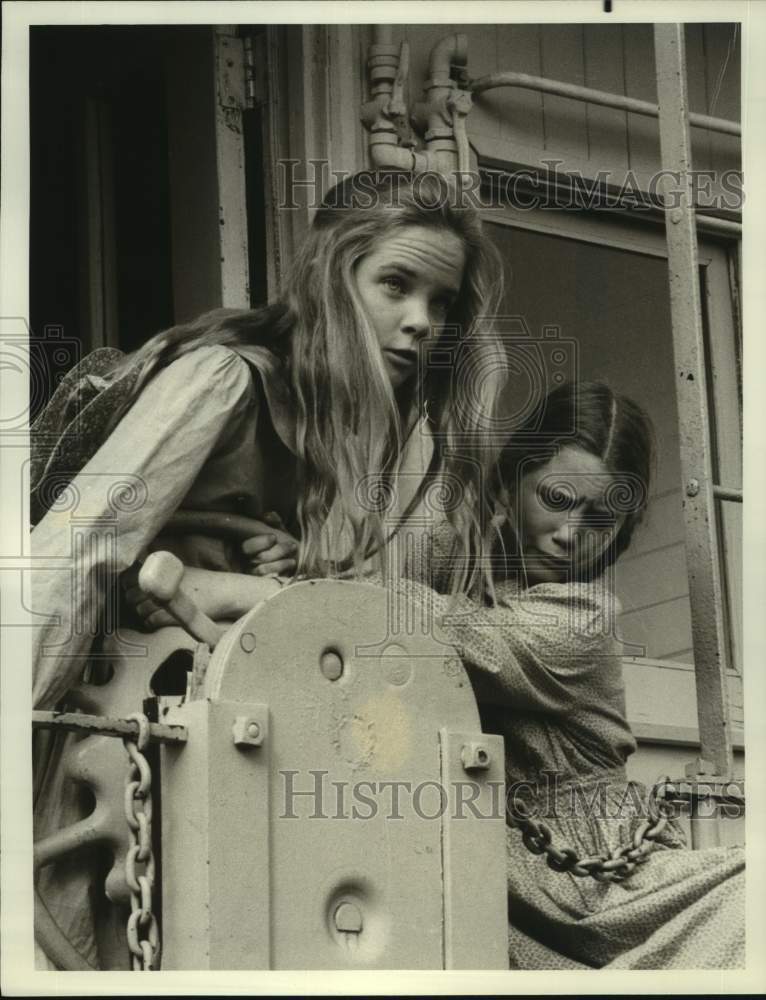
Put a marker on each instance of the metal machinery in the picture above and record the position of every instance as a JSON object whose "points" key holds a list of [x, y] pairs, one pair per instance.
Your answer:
{"points": [[327, 797]]}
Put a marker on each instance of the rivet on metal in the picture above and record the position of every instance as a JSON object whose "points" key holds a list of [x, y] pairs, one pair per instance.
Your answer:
{"points": [[331, 665], [475, 757], [692, 488], [676, 215], [247, 642], [348, 917]]}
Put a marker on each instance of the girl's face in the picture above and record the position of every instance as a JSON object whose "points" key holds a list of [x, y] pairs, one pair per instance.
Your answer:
{"points": [[408, 283], [565, 521]]}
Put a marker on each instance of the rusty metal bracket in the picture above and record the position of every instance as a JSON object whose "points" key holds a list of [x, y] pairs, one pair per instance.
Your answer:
{"points": [[100, 725], [475, 756], [700, 787]]}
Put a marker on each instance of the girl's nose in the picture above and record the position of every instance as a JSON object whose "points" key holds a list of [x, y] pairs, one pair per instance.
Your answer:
{"points": [[416, 320], [564, 534]]}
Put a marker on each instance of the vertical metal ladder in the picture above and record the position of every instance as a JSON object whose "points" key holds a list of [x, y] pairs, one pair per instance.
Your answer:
{"points": [[700, 491]]}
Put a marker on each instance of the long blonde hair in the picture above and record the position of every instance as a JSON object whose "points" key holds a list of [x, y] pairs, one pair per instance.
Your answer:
{"points": [[348, 427]]}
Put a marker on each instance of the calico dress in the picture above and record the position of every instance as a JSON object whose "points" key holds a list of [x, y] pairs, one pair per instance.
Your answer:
{"points": [[544, 666]]}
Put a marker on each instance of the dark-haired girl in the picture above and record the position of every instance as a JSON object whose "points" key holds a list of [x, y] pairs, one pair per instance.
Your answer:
{"points": [[544, 663]]}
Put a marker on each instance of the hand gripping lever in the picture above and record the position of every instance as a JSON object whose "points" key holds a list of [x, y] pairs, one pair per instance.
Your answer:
{"points": [[160, 577]]}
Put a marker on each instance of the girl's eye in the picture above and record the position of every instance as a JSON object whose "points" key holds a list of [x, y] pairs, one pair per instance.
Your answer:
{"points": [[599, 511], [556, 498], [394, 284]]}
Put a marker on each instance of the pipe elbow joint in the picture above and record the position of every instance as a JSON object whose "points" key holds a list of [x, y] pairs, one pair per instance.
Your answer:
{"points": [[388, 156], [450, 51]]}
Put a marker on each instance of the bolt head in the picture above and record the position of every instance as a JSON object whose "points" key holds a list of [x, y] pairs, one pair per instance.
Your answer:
{"points": [[331, 665], [348, 918], [248, 732], [247, 642]]}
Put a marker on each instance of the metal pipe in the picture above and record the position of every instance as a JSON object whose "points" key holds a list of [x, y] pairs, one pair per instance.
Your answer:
{"points": [[384, 71], [713, 224], [463, 145], [602, 97], [382, 34], [451, 49], [387, 156], [434, 116], [727, 493]]}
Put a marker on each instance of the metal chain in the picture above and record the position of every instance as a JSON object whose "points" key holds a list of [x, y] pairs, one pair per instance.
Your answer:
{"points": [[142, 930], [613, 867]]}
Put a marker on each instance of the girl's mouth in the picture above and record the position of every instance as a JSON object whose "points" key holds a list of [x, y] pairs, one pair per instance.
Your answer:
{"points": [[546, 557], [401, 359]]}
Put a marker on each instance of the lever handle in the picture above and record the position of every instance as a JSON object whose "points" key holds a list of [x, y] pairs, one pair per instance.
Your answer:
{"points": [[160, 577]]}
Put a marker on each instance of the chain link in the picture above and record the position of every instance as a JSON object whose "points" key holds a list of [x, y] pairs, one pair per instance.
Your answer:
{"points": [[613, 867], [142, 930]]}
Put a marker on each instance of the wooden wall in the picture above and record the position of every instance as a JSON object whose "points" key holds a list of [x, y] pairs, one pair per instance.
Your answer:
{"points": [[525, 126]]}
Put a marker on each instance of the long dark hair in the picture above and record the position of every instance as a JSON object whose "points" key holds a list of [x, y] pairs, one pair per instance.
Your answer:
{"points": [[348, 427], [613, 427]]}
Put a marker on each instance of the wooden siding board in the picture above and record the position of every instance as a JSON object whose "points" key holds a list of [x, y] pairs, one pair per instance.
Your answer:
{"points": [[653, 577], [725, 152], [485, 118], [661, 629], [564, 119], [663, 694], [662, 526], [421, 39], [696, 80], [519, 112], [607, 128], [668, 467], [640, 82], [682, 656]]}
